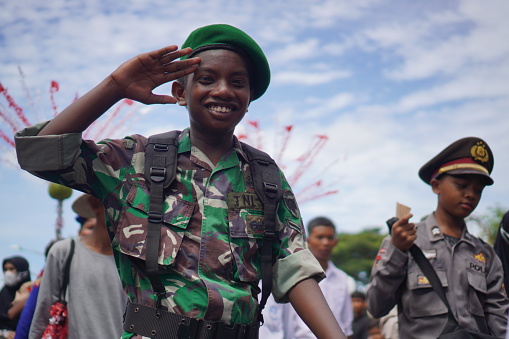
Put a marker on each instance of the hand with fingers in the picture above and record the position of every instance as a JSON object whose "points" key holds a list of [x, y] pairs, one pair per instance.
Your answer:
{"points": [[403, 233], [139, 76]]}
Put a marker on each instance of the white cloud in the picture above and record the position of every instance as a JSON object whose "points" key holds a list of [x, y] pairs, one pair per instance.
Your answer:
{"points": [[307, 78]]}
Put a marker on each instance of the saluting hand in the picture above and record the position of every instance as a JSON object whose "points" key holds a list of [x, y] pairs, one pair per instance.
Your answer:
{"points": [[139, 76], [403, 233]]}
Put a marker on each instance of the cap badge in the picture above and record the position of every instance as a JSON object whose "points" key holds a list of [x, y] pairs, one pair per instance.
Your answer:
{"points": [[479, 153]]}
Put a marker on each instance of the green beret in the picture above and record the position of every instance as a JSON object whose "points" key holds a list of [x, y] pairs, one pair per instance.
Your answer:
{"points": [[222, 36], [465, 156]]}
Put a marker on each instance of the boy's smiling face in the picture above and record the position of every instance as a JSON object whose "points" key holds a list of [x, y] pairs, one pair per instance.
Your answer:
{"points": [[218, 93], [458, 195]]}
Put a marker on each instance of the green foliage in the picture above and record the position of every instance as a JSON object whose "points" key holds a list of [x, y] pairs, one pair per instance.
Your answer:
{"points": [[490, 222], [355, 253]]}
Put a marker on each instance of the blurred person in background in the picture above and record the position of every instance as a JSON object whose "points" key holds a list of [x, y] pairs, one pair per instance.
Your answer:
{"points": [[14, 294], [95, 297]]}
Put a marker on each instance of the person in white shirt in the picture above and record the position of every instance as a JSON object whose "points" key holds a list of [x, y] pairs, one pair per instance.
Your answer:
{"points": [[321, 241]]}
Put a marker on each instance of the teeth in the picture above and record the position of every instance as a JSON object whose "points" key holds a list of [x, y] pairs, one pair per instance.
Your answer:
{"points": [[220, 109]]}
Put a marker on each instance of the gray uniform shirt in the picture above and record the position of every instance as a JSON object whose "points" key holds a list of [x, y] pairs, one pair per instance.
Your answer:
{"points": [[470, 271], [96, 301]]}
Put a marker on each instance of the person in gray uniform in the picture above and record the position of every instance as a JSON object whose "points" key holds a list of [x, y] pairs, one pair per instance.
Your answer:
{"points": [[468, 268]]}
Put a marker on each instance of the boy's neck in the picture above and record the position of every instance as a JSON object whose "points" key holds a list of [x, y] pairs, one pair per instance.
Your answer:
{"points": [[214, 147], [449, 224]]}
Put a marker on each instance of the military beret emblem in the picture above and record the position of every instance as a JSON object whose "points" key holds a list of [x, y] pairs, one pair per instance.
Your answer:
{"points": [[479, 153]]}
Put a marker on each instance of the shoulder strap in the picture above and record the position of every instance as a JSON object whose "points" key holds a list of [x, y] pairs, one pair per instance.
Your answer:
{"points": [[267, 184], [67, 271], [160, 170]]}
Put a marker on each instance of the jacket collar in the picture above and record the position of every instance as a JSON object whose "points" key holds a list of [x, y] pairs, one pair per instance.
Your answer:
{"points": [[435, 234]]}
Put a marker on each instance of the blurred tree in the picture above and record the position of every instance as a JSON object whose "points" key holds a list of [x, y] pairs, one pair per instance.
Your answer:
{"points": [[489, 222], [355, 253]]}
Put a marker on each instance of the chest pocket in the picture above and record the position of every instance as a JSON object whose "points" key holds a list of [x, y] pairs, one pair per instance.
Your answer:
{"points": [[246, 226], [477, 292], [131, 237], [423, 300]]}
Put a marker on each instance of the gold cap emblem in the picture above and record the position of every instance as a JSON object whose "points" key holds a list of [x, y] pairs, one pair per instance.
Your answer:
{"points": [[479, 153]]}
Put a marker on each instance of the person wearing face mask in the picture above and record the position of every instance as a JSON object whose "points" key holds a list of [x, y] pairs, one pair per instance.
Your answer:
{"points": [[14, 293]]}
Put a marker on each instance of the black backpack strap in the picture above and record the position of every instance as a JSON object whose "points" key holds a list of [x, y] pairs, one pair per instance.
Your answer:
{"points": [[67, 271], [267, 184], [160, 170]]}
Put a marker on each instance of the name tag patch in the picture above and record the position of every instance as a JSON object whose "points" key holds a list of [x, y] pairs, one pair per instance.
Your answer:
{"points": [[244, 200], [430, 254]]}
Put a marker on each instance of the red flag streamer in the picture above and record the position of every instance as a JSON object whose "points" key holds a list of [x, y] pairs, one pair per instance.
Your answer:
{"points": [[286, 138], [123, 122], [317, 196], [14, 105], [52, 90], [112, 116], [14, 127], [5, 138], [258, 143], [31, 102], [307, 158]]}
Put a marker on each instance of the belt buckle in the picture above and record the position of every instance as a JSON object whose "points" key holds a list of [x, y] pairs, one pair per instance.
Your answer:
{"points": [[187, 328], [225, 331]]}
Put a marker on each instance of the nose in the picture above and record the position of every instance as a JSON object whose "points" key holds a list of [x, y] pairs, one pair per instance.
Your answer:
{"points": [[222, 90], [470, 192]]}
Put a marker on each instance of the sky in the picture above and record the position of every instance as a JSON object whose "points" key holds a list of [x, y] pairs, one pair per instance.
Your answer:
{"points": [[372, 89]]}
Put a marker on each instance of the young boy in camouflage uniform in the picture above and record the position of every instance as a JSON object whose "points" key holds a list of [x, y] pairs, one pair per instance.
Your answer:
{"points": [[209, 257], [468, 268]]}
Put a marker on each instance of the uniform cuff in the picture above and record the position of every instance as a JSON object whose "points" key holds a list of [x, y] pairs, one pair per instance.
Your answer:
{"points": [[293, 269], [46, 152]]}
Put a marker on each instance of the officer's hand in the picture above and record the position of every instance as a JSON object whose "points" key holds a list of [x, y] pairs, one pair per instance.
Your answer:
{"points": [[403, 233], [137, 77]]}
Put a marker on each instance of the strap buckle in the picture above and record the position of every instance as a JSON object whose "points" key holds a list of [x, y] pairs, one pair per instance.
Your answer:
{"points": [[157, 174], [161, 147], [155, 217], [269, 234], [269, 187]]}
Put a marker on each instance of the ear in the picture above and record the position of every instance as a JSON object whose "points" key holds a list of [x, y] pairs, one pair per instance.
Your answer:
{"points": [[179, 93], [336, 242], [435, 186]]}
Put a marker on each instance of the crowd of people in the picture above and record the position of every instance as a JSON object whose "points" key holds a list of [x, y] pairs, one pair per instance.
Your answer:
{"points": [[193, 250]]}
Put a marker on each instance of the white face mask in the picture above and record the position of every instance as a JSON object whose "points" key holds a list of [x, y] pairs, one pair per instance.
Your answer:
{"points": [[10, 278]]}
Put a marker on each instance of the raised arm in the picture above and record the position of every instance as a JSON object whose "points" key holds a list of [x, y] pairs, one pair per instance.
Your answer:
{"points": [[135, 79], [308, 301]]}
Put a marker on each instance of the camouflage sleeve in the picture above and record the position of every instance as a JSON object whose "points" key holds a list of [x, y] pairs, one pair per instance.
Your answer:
{"points": [[66, 159], [294, 260]]}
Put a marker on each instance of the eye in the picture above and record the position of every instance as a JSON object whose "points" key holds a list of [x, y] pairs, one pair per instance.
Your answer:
{"points": [[239, 83], [461, 186], [205, 79]]}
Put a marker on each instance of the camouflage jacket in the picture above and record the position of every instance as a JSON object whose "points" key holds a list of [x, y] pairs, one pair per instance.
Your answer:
{"points": [[209, 256]]}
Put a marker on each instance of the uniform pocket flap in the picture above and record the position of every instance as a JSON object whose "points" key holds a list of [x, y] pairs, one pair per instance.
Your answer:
{"points": [[177, 212], [417, 279], [477, 281]]}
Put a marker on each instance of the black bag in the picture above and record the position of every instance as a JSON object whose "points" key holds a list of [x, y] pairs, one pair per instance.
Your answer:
{"points": [[452, 330]]}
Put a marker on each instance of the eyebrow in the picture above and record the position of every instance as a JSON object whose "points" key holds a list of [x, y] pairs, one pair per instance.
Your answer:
{"points": [[210, 70]]}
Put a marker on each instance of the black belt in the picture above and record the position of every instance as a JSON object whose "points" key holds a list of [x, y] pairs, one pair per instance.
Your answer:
{"points": [[154, 323]]}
